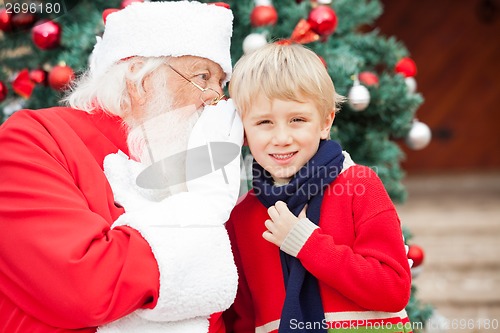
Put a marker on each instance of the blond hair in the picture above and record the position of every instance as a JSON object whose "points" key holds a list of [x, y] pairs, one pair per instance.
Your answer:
{"points": [[286, 72]]}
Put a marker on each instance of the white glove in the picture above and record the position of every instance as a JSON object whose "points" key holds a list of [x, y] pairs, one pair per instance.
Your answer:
{"points": [[213, 158]]}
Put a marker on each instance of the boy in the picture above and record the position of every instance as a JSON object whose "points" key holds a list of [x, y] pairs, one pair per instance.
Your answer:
{"points": [[317, 241]]}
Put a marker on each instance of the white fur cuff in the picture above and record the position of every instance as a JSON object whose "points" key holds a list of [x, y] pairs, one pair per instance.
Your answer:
{"points": [[198, 276]]}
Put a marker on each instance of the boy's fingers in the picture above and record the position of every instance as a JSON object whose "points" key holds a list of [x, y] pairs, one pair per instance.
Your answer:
{"points": [[281, 207], [273, 212], [270, 226], [268, 236]]}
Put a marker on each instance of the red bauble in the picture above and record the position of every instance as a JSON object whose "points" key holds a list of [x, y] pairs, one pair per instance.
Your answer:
{"points": [[23, 20], [38, 76], [406, 66], [323, 20], [263, 15], [5, 21], [46, 34], [60, 77], [221, 4], [125, 3], [368, 78], [416, 254], [3, 91]]}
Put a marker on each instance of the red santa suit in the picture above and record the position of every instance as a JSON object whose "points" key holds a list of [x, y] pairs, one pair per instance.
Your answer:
{"points": [[62, 266]]}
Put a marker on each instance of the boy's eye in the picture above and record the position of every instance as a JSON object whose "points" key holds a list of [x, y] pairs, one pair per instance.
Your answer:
{"points": [[298, 119], [262, 122]]}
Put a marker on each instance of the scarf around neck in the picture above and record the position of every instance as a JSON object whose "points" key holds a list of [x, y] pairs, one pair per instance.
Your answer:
{"points": [[302, 300]]}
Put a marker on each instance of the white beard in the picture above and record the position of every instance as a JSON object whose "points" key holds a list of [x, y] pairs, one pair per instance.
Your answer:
{"points": [[159, 138]]}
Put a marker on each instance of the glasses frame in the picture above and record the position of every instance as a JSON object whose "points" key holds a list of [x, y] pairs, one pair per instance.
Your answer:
{"points": [[212, 101]]}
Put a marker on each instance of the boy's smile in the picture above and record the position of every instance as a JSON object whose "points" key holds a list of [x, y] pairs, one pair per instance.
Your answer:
{"points": [[284, 135]]}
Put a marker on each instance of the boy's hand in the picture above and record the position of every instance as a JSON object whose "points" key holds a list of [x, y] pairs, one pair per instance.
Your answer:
{"points": [[281, 223]]}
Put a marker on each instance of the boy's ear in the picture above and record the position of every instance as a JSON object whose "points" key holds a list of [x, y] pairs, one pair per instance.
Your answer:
{"points": [[327, 125]]}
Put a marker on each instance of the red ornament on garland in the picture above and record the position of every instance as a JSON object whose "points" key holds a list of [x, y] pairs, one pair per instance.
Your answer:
{"points": [[38, 76], [368, 78], [125, 3], [46, 34], [406, 66], [60, 76], [323, 20], [23, 20], [263, 15], [22, 84], [416, 254], [302, 34], [5, 20], [3, 91]]}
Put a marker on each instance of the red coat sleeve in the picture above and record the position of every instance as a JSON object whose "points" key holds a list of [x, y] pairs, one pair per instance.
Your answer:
{"points": [[373, 271], [59, 261]]}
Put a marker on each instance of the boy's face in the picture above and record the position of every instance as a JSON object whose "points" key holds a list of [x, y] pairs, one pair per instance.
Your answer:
{"points": [[284, 135]]}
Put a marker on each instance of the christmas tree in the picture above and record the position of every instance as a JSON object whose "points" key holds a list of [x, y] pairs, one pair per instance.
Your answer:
{"points": [[45, 44]]}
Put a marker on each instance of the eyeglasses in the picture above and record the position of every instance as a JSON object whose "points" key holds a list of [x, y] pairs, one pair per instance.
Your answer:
{"points": [[208, 95]]}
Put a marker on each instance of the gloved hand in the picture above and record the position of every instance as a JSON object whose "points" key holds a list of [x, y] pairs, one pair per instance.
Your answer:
{"points": [[213, 158]]}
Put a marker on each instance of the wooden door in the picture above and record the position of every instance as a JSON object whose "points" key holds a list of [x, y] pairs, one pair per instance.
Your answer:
{"points": [[456, 46]]}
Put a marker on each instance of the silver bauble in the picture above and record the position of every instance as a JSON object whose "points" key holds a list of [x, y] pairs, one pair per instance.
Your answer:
{"points": [[359, 97], [419, 136]]}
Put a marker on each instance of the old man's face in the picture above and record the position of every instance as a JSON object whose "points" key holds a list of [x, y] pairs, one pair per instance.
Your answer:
{"points": [[165, 114], [189, 76]]}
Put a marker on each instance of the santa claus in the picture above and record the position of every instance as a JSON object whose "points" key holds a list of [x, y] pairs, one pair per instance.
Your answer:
{"points": [[115, 205]]}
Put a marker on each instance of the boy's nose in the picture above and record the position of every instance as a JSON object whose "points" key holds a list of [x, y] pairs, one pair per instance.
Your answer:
{"points": [[281, 137]]}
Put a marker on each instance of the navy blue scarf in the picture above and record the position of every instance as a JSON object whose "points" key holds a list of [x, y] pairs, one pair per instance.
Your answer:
{"points": [[303, 301]]}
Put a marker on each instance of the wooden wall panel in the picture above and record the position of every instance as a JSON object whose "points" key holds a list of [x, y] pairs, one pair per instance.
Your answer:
{"points": [[456, 45]]}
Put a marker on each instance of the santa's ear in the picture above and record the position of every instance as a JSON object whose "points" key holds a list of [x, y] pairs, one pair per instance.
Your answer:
{"points": [[137, 95]]}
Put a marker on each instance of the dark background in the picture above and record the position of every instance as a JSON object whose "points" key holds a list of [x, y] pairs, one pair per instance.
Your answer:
{"points": [[456, 46]]}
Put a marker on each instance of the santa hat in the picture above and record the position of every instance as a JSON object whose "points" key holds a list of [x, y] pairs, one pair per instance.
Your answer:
{"points": [[156, 29]]}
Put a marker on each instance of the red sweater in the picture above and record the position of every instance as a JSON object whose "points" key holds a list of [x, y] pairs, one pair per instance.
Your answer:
{"points": [[61, 266], [357, 254]]}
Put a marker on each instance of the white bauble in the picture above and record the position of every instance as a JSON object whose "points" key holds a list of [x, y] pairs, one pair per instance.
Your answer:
{"points": [[324, 2], [263, 3], [411, 84], [359, 97], [253, 42], [419, 136]]}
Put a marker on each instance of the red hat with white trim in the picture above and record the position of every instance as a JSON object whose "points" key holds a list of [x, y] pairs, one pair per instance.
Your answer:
{"points": [[165, 28]]}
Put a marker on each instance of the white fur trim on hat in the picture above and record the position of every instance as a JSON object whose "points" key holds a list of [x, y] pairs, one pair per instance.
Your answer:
{"points": [[174, 28]]}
